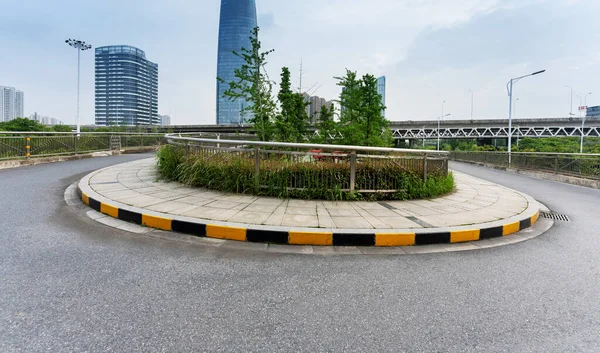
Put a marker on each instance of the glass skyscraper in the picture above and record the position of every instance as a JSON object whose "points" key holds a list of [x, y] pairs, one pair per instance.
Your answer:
{"points": [[381, 91], [238, 19], [126, 87]]}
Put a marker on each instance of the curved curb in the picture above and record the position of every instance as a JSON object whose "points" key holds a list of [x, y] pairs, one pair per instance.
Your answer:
{"points": [[306, 236]]}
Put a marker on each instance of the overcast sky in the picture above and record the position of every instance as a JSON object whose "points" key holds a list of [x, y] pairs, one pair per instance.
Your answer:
{"points": [[430, 51]]}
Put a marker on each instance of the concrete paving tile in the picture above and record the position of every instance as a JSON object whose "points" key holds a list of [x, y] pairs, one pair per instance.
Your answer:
{"points": [[275, 219], [300, 221], [335, 212], [224, 205], [302, 203], [239, 198], [194, 200], [370, 206], [181, 211], [208, 213], [325, 221], [268, 201], [141, 201], [307, 211], [399, 222], [351, 223], [168, 206], [249, 217], [339, 205], [260, 208], [381, 213]]}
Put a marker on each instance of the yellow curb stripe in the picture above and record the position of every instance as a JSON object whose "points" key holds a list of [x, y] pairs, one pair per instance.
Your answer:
{"points": [[223, 232], [512, 228], [535, 218], [462, 236], [400, 239], [85, 198], [157, 222], [310, 238], [109, 210]]}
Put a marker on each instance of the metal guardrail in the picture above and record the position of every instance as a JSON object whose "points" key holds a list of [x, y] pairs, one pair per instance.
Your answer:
{"points": [[24, 145], [347, 168], [574, 164]]}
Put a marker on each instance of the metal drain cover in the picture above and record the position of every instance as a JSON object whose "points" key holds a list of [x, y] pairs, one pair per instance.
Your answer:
{"points": [[555, 216]]}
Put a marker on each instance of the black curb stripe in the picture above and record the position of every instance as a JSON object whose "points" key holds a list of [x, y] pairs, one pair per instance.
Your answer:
{"points": [[95, 204], [432, 238], [266, 236], [79, 192], [129, 216], [341, 239], [490, 233], [196, 229], [526, 223]]}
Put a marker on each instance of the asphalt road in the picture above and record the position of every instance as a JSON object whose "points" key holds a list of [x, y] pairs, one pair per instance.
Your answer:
{"points": [[68, 284]]}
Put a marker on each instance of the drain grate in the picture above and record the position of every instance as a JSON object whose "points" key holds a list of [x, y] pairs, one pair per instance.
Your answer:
{"points": [[555, 216]]}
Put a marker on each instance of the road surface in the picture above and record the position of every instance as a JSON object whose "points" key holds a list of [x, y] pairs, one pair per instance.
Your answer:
{"points": [[68, 284]]}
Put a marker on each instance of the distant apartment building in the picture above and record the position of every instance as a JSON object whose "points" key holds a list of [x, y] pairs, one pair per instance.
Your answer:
{"points": [[165, 120], [381, 90], [313, 109], [593, 111], [126, 87], [12, 103], [45, 120]]}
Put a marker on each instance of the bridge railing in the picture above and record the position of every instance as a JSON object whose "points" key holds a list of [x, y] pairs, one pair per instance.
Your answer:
{"points": [[573, 164], [301, 167], [24, 145]]}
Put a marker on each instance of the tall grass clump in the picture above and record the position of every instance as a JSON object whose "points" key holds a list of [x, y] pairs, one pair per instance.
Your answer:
{"points": [[281, 177]]}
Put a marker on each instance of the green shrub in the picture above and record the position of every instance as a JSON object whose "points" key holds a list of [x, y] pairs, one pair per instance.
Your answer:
{"points": [[281, 177]]}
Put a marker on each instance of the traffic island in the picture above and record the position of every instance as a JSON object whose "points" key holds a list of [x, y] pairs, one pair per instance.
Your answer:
{"points": [[477, 210]]}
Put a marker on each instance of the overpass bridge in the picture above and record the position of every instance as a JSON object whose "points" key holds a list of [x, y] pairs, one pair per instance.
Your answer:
{"points": [[449, 129]]}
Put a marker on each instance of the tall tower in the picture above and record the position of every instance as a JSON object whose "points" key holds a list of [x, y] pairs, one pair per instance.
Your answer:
{"points": [[126, 87], [381, 82], [238, 18]]}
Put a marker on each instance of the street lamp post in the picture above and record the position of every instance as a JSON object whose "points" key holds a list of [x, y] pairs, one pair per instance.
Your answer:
{"points": [[583, 116], [80, 46], [438, 130], [509, 88], [571, 106], [471, 104]]}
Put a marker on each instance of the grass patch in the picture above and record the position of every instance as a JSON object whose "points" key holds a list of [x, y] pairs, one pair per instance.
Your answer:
{"points": [[280, 177]]}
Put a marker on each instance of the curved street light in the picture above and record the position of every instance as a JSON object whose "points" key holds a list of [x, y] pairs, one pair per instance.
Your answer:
{"points": [[80, 46], [509, 88]]}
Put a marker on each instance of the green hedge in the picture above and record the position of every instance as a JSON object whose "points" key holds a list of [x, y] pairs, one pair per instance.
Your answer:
{"points": [[311, 180]]}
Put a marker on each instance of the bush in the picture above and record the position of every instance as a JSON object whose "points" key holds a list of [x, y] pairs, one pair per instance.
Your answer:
{"points": [[281, 177]]}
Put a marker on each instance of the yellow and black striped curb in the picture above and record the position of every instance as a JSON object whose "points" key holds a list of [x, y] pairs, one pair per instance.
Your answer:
{"points": [[256, 234]]}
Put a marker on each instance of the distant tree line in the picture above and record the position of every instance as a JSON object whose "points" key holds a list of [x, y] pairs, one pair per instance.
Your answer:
{"points": [[284, 117]]}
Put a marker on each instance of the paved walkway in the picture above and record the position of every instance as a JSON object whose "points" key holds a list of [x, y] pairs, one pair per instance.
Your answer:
{"points": [[475, 202]]}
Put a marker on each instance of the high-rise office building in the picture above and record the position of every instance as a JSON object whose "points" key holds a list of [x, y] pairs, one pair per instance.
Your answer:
{"points": [[12, 103], [126, 87], [238, 19], [381, 90]]}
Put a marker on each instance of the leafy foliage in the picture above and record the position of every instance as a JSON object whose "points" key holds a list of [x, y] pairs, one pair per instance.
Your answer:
{"points": [[362, 122], [254, 86], [22, 124], [278, 177], [291, 124]]}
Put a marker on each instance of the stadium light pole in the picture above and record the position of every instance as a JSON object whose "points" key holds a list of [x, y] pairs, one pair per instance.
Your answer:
{"points": [[80, 46], [509, 88]]}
